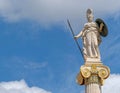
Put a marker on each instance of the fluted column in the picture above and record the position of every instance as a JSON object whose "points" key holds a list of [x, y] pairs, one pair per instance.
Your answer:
{"points": [[92, 88], [93, 85]]}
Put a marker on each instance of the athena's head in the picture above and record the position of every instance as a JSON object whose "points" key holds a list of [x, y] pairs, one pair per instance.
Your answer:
{"points": [[89, 15]]}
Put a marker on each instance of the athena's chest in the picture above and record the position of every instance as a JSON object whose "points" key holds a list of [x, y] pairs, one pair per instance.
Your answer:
{"points": [[91, 24]]}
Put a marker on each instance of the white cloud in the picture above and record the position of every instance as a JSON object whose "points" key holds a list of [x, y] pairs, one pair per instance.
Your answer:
{"points": [[54, 10], [112, 84], [19, 87]]}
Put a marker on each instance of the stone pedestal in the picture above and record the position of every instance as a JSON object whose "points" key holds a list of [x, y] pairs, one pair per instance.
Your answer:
{"points": [[92, 76]]}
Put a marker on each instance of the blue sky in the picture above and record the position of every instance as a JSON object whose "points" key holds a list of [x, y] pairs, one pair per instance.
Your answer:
{"points": [[37, 47]]}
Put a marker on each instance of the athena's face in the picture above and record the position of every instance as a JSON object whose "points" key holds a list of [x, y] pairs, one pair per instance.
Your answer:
{"points": [[90, 17]]}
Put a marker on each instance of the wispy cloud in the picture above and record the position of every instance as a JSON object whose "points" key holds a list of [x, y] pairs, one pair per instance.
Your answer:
{"points": [[19, 87], [33, 65], [24, 68], [24, 63], [54, 10]]}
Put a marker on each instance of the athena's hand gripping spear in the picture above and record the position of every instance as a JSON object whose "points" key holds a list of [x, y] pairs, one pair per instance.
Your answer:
{"points": [[74, 38]]}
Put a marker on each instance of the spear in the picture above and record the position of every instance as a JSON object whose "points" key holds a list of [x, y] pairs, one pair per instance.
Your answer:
{"points": [[74, 38]]}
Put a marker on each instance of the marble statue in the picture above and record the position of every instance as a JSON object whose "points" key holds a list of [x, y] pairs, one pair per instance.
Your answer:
{"points": [[91, 37]]}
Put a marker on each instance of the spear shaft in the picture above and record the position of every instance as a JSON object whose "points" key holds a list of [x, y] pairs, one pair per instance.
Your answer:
{"points": [[74, 38]]}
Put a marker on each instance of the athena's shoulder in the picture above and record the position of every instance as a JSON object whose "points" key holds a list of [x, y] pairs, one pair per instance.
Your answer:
{"points": [[86, 24]]}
